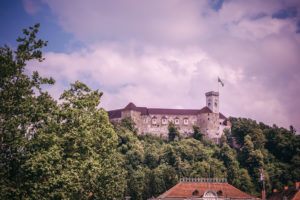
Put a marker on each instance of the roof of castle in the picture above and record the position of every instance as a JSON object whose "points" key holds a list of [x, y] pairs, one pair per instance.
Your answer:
{"points": [[159, 111], [187, 189]]}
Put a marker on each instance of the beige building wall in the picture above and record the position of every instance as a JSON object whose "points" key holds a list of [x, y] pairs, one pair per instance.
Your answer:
{"points": [[157, 124]]}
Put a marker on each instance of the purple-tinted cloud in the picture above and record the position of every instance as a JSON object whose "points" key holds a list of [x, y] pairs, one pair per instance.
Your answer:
{"points": [[169, 53], [32, 6]]}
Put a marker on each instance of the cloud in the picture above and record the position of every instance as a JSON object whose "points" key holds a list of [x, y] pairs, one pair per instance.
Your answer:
{"points": [[32, 6], [123, 20], [169, 53], [168, 77]]}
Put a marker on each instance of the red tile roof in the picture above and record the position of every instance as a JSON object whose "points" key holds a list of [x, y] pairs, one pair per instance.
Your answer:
{"points": [[112, 114], [186, 189], [291, 193], [160, 111], [297, 196]]}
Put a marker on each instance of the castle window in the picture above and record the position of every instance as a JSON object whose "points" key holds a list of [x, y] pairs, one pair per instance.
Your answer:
{"points": [[208, 104], [176, 121], [154, 120], [185, 121], [145, 120], [164, 120], [207, 118]]}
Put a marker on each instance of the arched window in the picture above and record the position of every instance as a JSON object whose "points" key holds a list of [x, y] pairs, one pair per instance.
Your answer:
{"points": [[185, 121], [209, 194], [164, 120], [154, 121], [195, 193], [176, 120]]}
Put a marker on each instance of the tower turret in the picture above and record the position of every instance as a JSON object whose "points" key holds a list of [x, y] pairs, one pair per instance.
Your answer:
{"points": [[212, 101]]}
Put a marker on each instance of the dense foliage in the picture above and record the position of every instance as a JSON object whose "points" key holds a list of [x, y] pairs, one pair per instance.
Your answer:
{"points": [[70, 150], [50, 150], [153, 165]]}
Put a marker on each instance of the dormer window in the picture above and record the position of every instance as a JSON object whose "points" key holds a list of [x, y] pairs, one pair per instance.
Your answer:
{"points": [[176, 121], [154, 121], [210, 194], [195, 193]]}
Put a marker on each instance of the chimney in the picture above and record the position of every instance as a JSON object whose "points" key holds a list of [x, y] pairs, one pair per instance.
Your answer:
{"points": [[297, 184], [285, 187], [274, 190]]}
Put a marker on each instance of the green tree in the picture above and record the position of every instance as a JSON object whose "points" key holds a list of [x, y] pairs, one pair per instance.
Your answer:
{"points": [[24, 108], [198, 134], [81, 161], [229, 157], [173, 132], [51, 151], [128, 123], [245, 181]]}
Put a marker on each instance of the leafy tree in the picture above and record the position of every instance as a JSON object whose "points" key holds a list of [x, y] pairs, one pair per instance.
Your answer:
{"points": [[198, 134], [246, 182], [136, 184], [173, 132], [52, 151], [229, 157], [128, 123], [24, 108], [81, 161]]}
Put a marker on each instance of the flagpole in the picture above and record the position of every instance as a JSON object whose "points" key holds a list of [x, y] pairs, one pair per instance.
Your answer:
{"points": [[218, 85]]}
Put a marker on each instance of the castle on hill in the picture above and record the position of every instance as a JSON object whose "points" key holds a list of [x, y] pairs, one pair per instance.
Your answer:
{"points": [[155, 120]]}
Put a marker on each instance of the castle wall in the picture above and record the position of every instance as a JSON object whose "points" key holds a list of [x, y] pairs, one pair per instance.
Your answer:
{"points": [[211, 122], [158, 124]]}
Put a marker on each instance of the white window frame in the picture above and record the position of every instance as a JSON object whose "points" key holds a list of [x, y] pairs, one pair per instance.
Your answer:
{"points": [[177, 121], [154, 120], [185, 121]]}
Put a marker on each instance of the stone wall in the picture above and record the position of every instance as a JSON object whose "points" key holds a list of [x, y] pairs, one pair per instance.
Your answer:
{"points": [[157, 125]]}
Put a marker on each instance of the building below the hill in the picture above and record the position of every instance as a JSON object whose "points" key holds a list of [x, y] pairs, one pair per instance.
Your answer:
{"points": [[155, 120], [288, 193], [204, 189]]}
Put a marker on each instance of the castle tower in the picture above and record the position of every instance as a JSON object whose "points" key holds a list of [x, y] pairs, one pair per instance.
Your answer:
{"points": [[212, 101]]}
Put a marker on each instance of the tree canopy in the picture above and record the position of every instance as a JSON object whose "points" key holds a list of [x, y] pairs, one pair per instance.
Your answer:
{"points": [[50, 150]]}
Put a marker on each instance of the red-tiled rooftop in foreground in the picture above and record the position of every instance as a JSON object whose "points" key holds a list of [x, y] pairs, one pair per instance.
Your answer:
{"points": [[291, 193], [186, 189], [160, 111]]}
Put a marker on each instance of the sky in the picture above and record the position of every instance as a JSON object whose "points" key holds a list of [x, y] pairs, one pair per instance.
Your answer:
{"points": [[167, 54]]}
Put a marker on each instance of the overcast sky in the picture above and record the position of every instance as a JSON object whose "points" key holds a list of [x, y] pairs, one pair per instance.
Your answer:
{"points": [[168, 53]]}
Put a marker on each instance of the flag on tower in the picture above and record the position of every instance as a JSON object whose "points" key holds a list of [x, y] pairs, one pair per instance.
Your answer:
{"points": [[219, 80]]}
